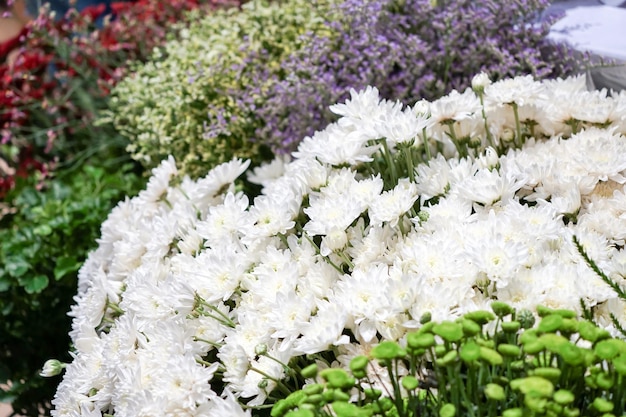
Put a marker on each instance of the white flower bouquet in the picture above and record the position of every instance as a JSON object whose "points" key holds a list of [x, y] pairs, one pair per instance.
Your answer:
{"points": [[203, 301]]}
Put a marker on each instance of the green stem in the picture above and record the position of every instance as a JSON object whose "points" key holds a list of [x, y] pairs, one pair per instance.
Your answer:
{"points": [[487, 131], [518, 127], [426, 145]]}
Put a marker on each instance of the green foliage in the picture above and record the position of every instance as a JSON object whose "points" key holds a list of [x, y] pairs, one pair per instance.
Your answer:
{"points": [[165, 106], [44, 242], [563, 366]]}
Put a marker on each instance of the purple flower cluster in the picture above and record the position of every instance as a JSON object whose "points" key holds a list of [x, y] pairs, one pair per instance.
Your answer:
{"points": [[409, 50]]}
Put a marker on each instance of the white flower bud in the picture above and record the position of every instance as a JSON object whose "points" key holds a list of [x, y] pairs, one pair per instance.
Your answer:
{"points": [[334, 241], [52, 367], [508, 135], [480, 81], [422, 107]]}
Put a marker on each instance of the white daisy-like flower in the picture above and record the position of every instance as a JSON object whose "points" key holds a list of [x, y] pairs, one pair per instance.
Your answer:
{"points": [[520, 90], [392, 204], [454, 106]]}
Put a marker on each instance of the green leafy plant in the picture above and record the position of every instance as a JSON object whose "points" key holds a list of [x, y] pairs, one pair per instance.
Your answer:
{"points": [[558, 366], [43, 245]]}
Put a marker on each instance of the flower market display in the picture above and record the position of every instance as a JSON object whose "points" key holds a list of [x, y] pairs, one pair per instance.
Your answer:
{"points": [[203, 300], [244, 83]]}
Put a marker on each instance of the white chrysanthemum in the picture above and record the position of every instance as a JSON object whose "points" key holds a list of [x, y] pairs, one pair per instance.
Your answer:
{"points": [[217, 182], [521, 90], [331, 212], [225, 222], [159, 182], [362, 293], [269, 171], [455, 106], [337, 146], [324, 329], [489, 186], [392, 204], [400, 127], [362, 105]]}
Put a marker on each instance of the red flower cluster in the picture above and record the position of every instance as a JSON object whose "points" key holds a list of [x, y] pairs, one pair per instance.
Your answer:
{"points": [[64, 71]]}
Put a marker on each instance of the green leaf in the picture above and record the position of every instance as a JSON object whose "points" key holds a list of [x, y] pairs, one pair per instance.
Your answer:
{"points": [[16, 267], [42, 230], [5, 284], [64, 266], [35, 284]]}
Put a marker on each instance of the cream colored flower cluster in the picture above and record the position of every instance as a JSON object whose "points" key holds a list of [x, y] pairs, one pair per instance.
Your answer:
{"points": [[166, 105], [194, 282]]}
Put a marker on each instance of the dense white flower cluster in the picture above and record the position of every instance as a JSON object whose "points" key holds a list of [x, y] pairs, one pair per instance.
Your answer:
{"points": [[193, 283]]}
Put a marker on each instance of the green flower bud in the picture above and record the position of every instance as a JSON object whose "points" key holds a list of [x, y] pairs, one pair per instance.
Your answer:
{"points": [[528, 335], [491, 356], [588, 330], [470, 352], [510, 326], [346, 409], [410, 383], [448, 410], [494, 392], [470, 327], [604, 381], [566, 314], [329, 395], [372, 393], [550, 323], [526, 319], [569, 326], [359, 363], [609, 348], [387, 350], [533, 347], [571, 354], [551, 374], [564, 397], [440, 350], [420, 340], [489, 343], [337, 378], [602, 405], [543, 311], [513, 412], [537, 384], [502, 309], [553, 342], [427, 327], [449, 331], [383, 405], [339, 395], [535, 402], [314, 399], [447, 358], [508, 350], [556, 409], [313, 389], [571, 412], [480, 316], [309, 371]]}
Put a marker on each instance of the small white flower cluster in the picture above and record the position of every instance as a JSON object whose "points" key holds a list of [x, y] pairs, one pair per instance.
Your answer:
{"points": [[192, 282]]}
